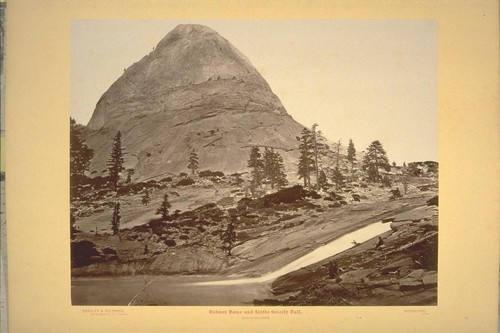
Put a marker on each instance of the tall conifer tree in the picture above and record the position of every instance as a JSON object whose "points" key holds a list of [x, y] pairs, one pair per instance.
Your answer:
{"points": [[193, 162], [115, 162], [163, 210], [374, 158], [115, 221], [351, 155], [306, 159], [256, 163]]}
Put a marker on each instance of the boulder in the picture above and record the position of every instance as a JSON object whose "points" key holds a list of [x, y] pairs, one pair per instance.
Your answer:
{"points": [[406, 261], [336, 290], [433, 201], [404, 271], [416, 274], [430, 280], [429, 225], [415, 214], [396, 225], [409, 284], [379, 283], [109, 251], [356, 276], [170, 242], [382, 292]]}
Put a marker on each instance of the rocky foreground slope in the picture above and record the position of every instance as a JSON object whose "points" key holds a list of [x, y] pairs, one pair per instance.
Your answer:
{"points": [[193, 91], [403, 271]]}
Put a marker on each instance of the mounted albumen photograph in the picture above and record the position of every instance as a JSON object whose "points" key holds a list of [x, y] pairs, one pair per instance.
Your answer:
{"points": [[254, 162]]}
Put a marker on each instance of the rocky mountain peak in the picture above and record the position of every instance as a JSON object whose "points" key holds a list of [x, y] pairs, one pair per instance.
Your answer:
{"points": [[195, 90]]}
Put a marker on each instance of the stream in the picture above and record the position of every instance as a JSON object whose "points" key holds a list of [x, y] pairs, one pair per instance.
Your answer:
{"points": [[204, 290]]}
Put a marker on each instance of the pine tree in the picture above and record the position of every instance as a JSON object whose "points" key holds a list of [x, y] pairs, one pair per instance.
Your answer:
{"points": [[336, 151], [322, 180], [351, 155], [374, 158], [337, 178], [146, 198], [269, 168], [315, 146], [80, 154], [115, 162], [274, 169], [164, 207], [306, 159], [320, 150], [193, 162], [115, 221], [255, 162], [281, 180], [228, 238]]}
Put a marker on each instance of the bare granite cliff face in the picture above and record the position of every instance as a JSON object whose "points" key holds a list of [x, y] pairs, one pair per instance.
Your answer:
{"points": [[194, 90]]}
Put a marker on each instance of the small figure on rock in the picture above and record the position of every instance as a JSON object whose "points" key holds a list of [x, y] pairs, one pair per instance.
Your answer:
{"points": [[332, 271], [379, 243]]}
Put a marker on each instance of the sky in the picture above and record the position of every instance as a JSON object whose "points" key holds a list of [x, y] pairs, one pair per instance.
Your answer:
{"points": [[363, 80]]}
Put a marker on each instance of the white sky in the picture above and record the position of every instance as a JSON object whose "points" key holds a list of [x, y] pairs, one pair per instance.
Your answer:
{"points": [[360, 79]]}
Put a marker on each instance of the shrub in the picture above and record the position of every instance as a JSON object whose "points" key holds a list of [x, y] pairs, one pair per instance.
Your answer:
{"points": [[208, 173], [82, 253], [285, 196], [170, 242], [314, 195], [138, 187], [109, 250], [166, 180], [185, 182]]}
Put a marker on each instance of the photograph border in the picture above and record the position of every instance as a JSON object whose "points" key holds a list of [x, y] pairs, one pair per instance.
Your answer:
{"points": [[37, 140]]}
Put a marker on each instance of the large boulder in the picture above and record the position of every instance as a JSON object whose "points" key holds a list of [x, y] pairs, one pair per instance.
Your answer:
{"points": [[406, 261], [430, 280], [356, 276]]}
